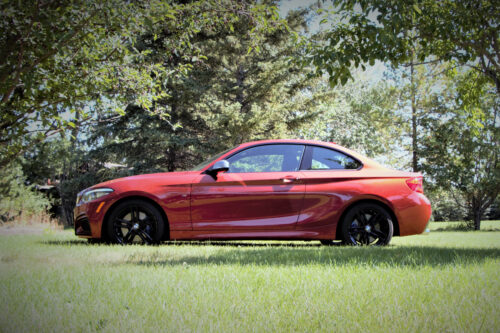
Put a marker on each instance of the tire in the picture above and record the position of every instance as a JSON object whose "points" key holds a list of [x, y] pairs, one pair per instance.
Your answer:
{"points": [[367, 224], [135, 222]]}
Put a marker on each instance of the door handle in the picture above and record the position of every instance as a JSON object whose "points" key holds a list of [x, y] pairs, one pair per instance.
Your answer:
{"points": [[289, 179]]}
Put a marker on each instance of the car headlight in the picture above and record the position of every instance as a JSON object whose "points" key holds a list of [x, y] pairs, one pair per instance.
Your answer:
{"points": [[94, 194]]}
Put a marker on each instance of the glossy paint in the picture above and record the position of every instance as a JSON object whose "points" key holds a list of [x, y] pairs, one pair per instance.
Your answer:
{"points": [[305, 204]]}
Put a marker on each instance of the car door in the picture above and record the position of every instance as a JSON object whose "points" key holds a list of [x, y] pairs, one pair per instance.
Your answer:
{"points": [[330, 179], [262, 190]]}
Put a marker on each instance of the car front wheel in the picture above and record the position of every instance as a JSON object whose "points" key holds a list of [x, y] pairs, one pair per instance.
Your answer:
{"points": [[135, 221], [367, 224]]}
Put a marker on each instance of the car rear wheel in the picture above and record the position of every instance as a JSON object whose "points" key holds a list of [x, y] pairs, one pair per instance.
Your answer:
{"points": [[135, 222], [367, 224]]}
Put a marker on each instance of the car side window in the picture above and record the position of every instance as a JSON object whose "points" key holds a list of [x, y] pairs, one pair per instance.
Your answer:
{"points": [[328, 159], [267, 158]]}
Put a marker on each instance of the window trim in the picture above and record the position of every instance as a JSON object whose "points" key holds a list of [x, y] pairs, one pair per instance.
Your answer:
{"points": [[307, 159], [270, 144]]}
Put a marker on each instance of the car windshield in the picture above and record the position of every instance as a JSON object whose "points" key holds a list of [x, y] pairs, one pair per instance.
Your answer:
{"points": [[210, 160]]}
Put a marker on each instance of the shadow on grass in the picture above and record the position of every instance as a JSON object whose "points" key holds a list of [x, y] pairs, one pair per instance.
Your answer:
{"points": [[296, 254], [193, 243], [247, 244], [66, 242], [407, 256]]}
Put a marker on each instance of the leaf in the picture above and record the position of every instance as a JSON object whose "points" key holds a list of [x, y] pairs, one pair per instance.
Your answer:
{"points": [[415, 7]]}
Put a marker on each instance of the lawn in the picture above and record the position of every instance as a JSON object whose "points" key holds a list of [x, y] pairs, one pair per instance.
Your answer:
{"points": [[442, 281]]}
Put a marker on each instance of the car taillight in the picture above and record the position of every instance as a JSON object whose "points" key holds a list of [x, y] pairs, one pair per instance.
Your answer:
{"points": [[415, 184]]}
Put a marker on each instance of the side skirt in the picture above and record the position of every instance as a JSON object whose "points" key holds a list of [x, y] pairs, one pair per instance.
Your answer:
{"points": [[317, 233]]}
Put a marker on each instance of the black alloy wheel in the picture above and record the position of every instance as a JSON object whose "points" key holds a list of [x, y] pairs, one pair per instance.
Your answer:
{"points": [[367, 224], [135, 222]]}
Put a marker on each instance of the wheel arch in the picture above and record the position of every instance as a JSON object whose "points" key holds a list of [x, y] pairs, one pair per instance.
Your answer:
{"points": [[166, 235], [373, 201]]}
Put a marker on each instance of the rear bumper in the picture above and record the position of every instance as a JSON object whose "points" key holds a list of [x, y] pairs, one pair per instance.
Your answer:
{"points": [[414, 218]]}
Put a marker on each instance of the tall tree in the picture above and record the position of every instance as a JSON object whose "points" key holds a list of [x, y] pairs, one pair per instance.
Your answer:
{"points": [[261, 94], [56, 56], [419, 89], [237, 91], [461, 147], [465, 32], [66, 58], [360, 116]]}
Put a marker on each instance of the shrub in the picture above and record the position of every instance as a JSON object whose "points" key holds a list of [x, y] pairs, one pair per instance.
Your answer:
{"points": [[19, 201], [446, 206]]}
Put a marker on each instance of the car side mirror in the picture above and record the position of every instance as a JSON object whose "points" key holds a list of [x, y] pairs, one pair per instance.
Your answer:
{"points": [[219, 166]]}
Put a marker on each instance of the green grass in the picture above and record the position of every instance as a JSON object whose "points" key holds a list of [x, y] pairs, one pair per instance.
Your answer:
{"points": [[442, 281]]}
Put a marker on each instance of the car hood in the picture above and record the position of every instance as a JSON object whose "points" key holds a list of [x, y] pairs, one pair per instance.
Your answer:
{"points": [[164, 178]]}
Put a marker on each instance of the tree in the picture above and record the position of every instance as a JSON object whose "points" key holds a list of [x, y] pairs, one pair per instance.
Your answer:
{"points": [[63, 62], [231, 95], [397, 31], [419, 90], [57, 56], [261, 94], [68, 168], [147, 142], [461, 145], [18, 199], [360, 116]]}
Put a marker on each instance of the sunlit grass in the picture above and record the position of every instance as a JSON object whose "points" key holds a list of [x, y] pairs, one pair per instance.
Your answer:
{"points": [[443, 281]]}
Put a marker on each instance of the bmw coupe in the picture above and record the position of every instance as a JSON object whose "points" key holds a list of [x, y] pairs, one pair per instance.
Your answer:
{"points": [[273, 189]]}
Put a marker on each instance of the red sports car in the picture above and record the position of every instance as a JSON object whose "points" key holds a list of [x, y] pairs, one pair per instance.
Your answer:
{"points": [[274, 189]]}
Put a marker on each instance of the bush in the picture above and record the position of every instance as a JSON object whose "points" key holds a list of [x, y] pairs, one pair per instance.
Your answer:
{"points": [[18, 200], [445, 206]]}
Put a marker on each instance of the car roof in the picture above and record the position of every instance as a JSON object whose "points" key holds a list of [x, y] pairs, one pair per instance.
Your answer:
{"points": [[367, 162]]}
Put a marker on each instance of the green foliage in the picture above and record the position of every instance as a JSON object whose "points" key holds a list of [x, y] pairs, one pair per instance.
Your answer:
{"points": [[461, 145], [447, 205], [57, 57], [418, 90], [230, 96], [69, 168], [258, 95], [17, 198], [464, 32], [353, 115], [67, 63]]}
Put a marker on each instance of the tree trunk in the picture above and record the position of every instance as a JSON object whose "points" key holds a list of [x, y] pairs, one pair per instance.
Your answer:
{"points": [[171, 159], [477, 213], [413, 120], [477, 220], [74, 131]]}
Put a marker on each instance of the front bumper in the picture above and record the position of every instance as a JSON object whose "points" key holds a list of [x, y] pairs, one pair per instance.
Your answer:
{"points": [[89, 217]]}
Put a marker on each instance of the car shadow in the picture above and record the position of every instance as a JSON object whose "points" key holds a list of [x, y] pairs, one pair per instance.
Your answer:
{"points": [[72, 242], [247, 244], [263, 253], [196, 243], [393, 256]]}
